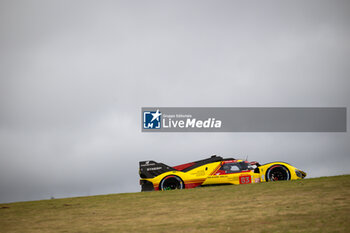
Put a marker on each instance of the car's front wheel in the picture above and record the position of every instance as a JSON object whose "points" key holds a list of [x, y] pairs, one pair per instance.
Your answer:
{"points": [[277, 172], [171, 182]]}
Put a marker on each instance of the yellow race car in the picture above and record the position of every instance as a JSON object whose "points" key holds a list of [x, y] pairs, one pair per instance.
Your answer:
{"points": [[213, 171]]}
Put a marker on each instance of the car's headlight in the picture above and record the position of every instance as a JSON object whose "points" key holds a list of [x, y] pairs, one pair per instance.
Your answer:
{"points": [[299, 174]]}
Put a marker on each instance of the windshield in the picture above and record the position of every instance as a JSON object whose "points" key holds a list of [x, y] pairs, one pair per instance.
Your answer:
{"points": [[236, 167], [246, 166]]}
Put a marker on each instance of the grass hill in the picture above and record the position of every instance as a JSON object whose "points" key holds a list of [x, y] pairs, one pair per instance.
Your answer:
{"points": [[311, 205]]}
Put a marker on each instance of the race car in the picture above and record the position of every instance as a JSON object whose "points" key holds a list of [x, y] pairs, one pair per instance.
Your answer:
{"points": [[213, 171]]}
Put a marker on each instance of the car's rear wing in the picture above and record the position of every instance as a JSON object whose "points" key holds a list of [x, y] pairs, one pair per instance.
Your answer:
{"points": [[150, 169]]}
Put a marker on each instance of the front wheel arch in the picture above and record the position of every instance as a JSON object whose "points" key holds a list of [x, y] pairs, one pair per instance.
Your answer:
{"points": [[277, 168]]}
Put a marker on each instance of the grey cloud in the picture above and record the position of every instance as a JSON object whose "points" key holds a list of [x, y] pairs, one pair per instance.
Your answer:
{"points": [[75, 74]]}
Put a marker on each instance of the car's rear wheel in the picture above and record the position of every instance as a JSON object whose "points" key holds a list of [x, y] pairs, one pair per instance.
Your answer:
{"points": [[171, 182], [277, 172]]}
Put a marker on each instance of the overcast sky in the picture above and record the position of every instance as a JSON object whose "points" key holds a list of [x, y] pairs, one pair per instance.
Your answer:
{"points": [[75, 74]]}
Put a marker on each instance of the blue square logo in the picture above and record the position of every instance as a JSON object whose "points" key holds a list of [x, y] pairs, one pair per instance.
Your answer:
{"points": [[152, 120]]}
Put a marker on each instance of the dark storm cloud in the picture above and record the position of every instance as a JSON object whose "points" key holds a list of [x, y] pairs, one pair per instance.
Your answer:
{"points": [[75, 74]]}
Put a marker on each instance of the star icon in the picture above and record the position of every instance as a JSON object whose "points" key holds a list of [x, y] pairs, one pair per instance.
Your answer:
{"points": [[156, 115]]}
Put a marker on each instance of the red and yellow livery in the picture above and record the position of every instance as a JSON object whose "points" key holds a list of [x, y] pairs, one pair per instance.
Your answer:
{"points": [[213, 171]]}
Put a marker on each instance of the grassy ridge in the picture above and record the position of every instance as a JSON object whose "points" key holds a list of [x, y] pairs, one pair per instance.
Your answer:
{"points": [[311, 205]]}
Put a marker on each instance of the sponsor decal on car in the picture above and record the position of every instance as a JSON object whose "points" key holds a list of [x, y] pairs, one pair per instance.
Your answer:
{"points": [[154, 168], [147, 163]]}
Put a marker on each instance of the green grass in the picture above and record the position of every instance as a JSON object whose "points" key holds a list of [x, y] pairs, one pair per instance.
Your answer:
{"points": [[311, 205]]}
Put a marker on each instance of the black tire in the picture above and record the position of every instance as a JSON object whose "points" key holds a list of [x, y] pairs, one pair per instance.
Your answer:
{"points": [[171, 183], [277, 172]]}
